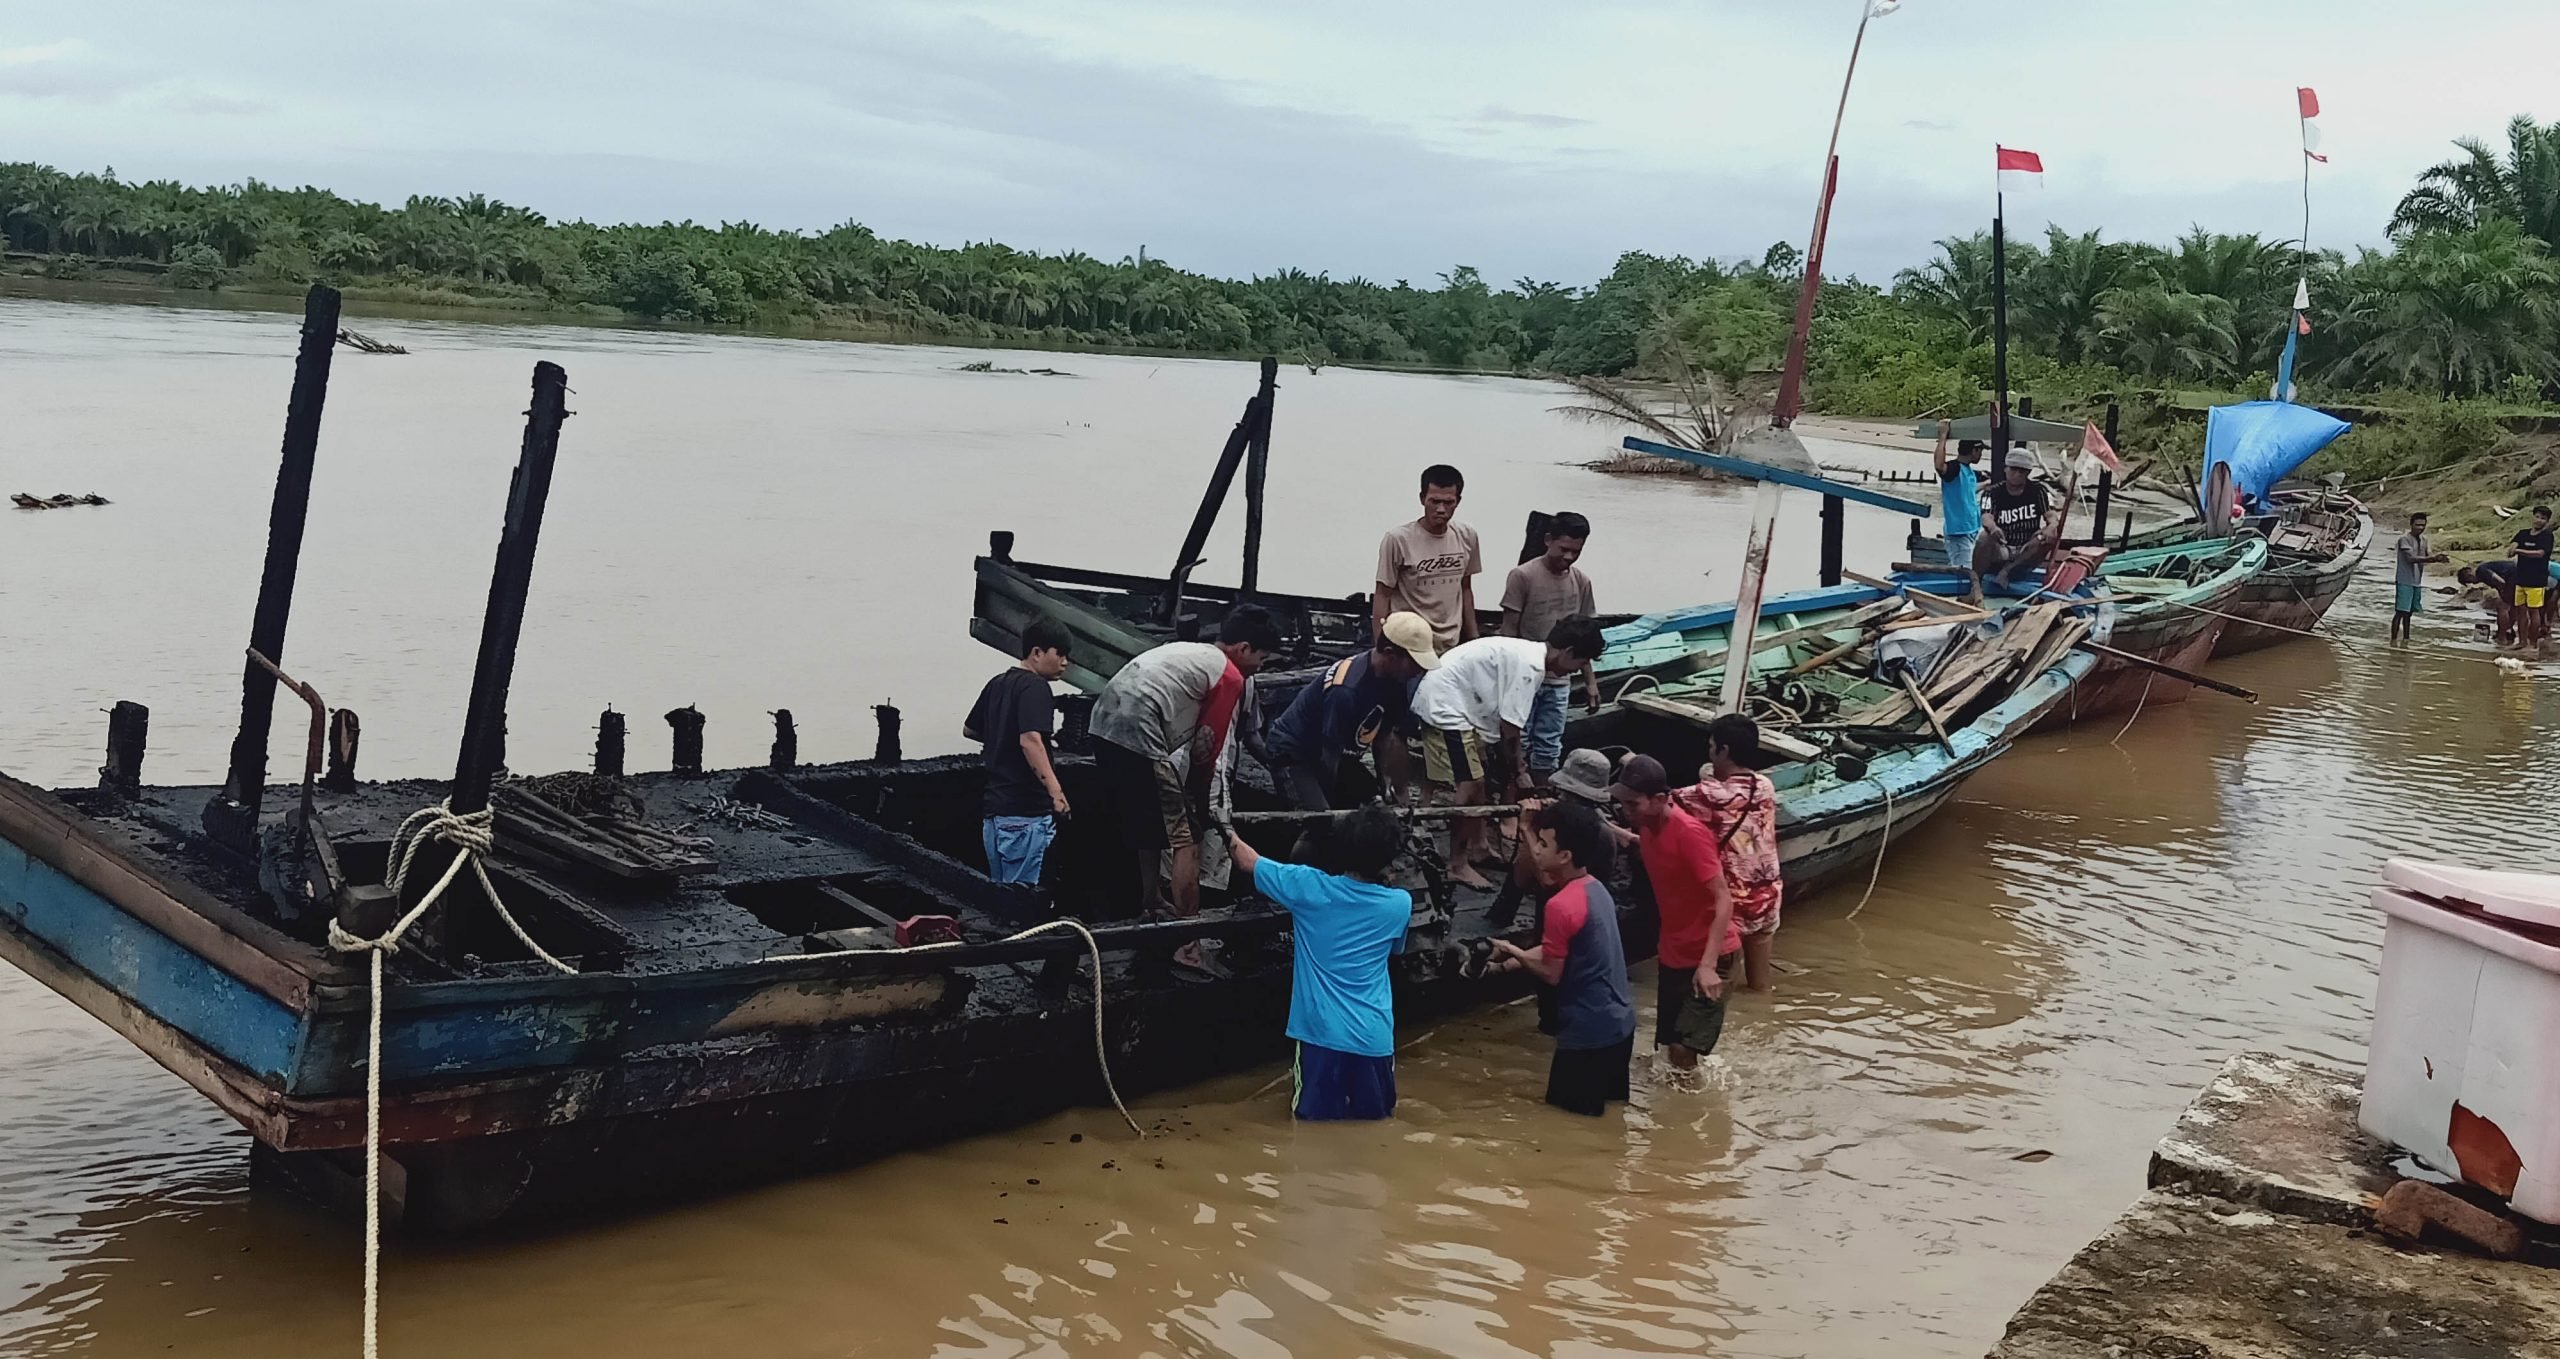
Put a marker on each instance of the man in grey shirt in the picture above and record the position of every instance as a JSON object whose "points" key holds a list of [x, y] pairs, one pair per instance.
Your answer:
{"points": [[2408, 574]]}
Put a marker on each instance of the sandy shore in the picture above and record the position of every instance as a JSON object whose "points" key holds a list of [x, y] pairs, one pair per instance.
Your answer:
{"points": [[1878, 433]]}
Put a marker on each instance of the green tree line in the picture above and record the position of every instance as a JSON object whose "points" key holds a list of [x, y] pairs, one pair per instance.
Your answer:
{"points": [[2463, 302]]}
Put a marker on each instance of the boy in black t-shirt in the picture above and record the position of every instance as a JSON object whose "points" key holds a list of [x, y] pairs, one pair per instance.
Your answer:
{"points": [[1024, 800], [2532, 552], [2016, 540]]}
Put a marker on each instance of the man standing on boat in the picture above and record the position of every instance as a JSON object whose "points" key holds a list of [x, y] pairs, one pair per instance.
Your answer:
{"points": [[1363, 703], [1960, 504], [2409, 576], [1429, 566], [1024, 801], [1579, 954], [1474, 710], [1345, 922], [2532, 552], [1158, 727], [1538, 594], [1700, 940], [2018, 541], [1739, 805]]}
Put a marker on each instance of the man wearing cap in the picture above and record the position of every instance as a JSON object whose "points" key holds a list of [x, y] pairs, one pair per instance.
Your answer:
{"points": [[1473, 711], [1700, 938], [1363, 704]]}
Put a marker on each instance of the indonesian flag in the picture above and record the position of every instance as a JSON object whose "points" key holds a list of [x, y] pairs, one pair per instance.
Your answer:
{"points": [[2020, 170], [2310, 103], [2095, 444]]}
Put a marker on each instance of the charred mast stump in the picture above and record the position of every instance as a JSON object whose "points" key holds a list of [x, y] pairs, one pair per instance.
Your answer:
{"points": [[232, 817], [128, 733], [885, 750], [687, 755], [1257, 468], [611, 734], [345, 730], [786, 741], [484, 722], [1221, 479]]}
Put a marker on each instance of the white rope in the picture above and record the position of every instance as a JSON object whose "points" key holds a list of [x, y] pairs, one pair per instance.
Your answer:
{"points": [[1878, 870], [2137, 709], [472, 836]]}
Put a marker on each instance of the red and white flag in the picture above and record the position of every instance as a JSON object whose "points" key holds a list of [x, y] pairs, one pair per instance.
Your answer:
{"points": [[2020, 170], [2310, 103], [2302, 305], [2095, 444]]}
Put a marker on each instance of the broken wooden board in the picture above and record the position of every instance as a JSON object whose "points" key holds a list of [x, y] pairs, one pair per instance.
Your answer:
{"points": [[1700, 714]]}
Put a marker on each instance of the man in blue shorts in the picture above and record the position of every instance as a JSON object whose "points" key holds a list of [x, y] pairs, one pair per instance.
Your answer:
{"points": [[1960, 503], [1346, 922]]}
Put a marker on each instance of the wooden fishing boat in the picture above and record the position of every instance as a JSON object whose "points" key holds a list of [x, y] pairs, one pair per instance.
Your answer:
{"points": [[2317, 539]]}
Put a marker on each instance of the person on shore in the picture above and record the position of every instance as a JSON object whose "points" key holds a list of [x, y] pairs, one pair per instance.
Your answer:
{"points": [[2409, 576], [1739, 805], [1364, 704], [1345, 921], [1474, 711], [1537, 595], [2532, 588], [1023, 802], [1579, 954], [2018, 540], [1429, 566], [1700, 940], [1960, 504], [1158, 727]]}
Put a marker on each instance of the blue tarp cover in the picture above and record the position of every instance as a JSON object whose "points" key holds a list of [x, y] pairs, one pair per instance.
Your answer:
{"points": [[2264, 441]]}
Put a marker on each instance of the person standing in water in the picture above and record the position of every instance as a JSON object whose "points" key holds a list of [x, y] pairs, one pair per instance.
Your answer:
{"points": [[2409, 576], [1345, 922], [2532, 552], [1739, 804], [1579, 953]]}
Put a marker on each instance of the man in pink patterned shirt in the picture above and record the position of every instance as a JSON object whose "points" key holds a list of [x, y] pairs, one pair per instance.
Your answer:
{"points": [[1740, 806]]}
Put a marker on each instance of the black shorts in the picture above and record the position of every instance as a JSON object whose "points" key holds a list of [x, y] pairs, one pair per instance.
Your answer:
{"points": [[1145, 800], [1682, 1016], [1584, 1080]]}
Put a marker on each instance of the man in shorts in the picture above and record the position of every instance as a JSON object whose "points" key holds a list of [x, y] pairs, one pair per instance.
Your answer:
{"points": [[2409, 576], [1473, 711], [1700, 939], [1345, 921], [2018, 540], [1579, 953], [2532, 553], [1960, 503], [1157, 728], [2495, 580]]}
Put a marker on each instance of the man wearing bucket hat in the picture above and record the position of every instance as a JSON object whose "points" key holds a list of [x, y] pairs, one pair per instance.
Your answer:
{"points": [[1362, 705]]}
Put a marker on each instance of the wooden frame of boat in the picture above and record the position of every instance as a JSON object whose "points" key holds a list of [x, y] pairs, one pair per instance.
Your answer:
{"points": [[2317, 541]]}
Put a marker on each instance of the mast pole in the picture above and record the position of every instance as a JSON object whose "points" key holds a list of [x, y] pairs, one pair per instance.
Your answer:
{"points": [[1999, 336]]}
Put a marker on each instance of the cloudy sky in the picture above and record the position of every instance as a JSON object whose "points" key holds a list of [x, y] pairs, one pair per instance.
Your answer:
{"points": [[1370, 137]]}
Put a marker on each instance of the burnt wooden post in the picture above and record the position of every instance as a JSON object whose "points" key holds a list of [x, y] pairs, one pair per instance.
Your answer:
{"points": [[1000, 545], [1205, 518], [1257, 467], [886, 750], [1835, 532], [484, 724], [345, 730], [2106, 482], [128, 731], [611, 731], [786, 741], [232, 816], [2126, 543], [687, 722]]}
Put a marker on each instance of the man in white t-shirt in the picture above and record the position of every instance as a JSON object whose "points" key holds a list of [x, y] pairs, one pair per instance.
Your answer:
{"points": [[1473, 710]]}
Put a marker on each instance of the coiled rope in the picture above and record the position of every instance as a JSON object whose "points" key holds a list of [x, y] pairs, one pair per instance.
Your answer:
{"points": [[472, 836]]}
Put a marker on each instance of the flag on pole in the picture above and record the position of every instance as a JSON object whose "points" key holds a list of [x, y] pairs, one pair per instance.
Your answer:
{"points": [[2310, 103], [2020, 170], [1882, 8], [2094, 443]]}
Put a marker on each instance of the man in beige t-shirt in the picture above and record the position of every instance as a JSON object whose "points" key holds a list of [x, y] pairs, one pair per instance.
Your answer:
{"points": [[1429, 566]]}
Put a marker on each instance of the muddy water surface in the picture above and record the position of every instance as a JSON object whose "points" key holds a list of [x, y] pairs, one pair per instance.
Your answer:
{"points": [[1956, 1085]]}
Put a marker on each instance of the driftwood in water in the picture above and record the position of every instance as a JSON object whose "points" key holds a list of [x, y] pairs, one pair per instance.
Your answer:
{"points": [[367, 343]]}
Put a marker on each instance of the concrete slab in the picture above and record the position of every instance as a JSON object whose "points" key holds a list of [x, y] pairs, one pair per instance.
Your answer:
{"points": [[2200, 1278], [2279, 1134]]}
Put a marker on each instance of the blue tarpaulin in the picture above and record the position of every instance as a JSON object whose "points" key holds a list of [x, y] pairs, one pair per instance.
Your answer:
{"points": [[2264, 441]]}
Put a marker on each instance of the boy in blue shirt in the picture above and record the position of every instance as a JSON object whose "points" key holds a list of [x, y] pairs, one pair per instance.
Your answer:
{"points": [[1960, 503], [1346, 923]]}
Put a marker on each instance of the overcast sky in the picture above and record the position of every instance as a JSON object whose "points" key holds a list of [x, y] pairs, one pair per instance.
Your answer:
{"points": [[1379, 138]]}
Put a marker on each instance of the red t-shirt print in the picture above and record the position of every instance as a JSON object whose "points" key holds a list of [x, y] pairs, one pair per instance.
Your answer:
{"points": [[1683, 864]]}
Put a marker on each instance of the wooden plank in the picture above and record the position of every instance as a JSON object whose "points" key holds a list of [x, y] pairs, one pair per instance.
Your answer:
{"points": [[1701, 715], [1933, 620], [1919, 700], [1933, 602], [1698, 662], [1761, 471]]}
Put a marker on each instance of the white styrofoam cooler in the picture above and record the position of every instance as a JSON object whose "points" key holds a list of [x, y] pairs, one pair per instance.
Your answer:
{"points": [[2468, 1017]]}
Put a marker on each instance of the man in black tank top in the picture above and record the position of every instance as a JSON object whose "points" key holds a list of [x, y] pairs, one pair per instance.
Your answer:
{"points": [[2015, 539]]}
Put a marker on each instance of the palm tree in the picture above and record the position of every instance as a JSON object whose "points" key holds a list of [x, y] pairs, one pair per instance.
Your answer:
{"points": [[2170, 336], [2058, 297], [2456, 313], [1955, 287], [2462, 193]]}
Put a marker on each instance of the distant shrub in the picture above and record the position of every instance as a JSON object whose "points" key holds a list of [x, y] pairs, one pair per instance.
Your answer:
{"points": [[196, 266]]}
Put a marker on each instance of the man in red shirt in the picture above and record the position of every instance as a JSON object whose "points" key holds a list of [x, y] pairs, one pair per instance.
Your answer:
{"points": [[1700, 936]]}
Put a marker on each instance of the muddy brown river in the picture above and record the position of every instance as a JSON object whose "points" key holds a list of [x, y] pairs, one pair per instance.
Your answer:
{"points": [[1956, 1084]]}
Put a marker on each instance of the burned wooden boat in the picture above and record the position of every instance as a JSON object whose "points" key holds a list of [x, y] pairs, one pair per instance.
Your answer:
{"points": [[2317, 538], [592, 990]]}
